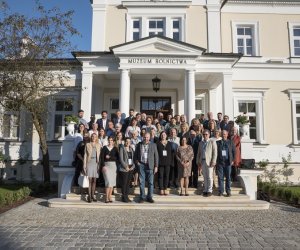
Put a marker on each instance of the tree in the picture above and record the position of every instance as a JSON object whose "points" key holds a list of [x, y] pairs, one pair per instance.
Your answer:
{"points": [[29, 68]]}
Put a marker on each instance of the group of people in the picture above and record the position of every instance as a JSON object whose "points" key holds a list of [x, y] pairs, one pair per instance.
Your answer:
{"points": [[131, 150]]}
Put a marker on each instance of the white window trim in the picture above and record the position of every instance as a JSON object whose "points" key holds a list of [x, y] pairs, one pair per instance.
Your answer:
{"points": [[51, 108], [291, 26], [294, 95], [144, 30], [201, 97], [257, 96], [254, 24]]}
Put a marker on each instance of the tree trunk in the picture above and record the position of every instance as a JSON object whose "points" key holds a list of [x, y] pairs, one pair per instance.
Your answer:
{"points": [[38, 123]]}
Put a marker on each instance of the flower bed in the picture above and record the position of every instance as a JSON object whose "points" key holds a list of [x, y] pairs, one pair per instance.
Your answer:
{"points": [[10, 194], [290, 194]]}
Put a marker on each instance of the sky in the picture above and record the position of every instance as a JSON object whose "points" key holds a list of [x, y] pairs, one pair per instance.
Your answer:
{"points": [[82, 18]]}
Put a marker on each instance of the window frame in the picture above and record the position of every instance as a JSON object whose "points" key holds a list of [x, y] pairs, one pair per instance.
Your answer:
{"points": [[11, 114], [144, 25], [294, 96], [291, 26], [52, 111], [252, 95], [255, 36]]}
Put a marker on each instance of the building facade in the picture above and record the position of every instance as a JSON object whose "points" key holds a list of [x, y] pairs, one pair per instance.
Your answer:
{"points": [[230, 56]]}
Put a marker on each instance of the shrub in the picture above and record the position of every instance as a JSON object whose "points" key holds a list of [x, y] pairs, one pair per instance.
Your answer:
{"points": [[295, 197], [266, 187], [260, 185], [287, 194], [8, 197], [279, 192], [272, 190]]}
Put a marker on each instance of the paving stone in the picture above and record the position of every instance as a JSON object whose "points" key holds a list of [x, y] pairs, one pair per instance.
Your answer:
{"points": [[34, 227]]}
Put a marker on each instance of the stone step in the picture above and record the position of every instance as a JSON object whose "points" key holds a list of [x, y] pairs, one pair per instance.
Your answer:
{"points": [[136, 190], [168, 198], [202, 204]]}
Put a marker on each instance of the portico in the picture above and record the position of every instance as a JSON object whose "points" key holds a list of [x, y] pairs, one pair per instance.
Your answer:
{"points": [[123, 76]]}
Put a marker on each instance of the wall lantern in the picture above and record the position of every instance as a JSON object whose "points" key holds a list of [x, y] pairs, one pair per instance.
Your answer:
{"points": [[156, 83]]}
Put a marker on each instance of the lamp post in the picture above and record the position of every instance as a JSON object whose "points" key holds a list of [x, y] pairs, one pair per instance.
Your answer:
{"points": [[156, 83]]}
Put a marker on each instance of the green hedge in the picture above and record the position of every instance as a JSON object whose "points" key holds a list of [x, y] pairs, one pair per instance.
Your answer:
{"points": [[289, 194], [9, 196]]}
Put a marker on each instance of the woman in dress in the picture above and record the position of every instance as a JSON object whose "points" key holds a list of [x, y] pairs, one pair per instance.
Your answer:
{"points": [[109, 158], [164, 149], [132, 128], [126, 169], [185, 156], [91, 164]]}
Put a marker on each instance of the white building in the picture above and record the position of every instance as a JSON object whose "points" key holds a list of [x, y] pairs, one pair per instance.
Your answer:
{"points": [[195, 47]]}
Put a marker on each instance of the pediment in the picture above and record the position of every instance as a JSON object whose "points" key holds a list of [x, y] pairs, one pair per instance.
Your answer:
{"points": [[157, 45]]}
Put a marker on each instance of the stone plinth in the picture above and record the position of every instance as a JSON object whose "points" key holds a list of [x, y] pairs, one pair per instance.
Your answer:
{"points": [[249, 177], [65, 179]]}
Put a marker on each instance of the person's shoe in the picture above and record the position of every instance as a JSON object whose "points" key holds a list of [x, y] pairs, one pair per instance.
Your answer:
{"points": [[186, 194], [205, 194], [124, 200], [106, 201], [228, 194], [89, 200], [94, 199], [209, 194], [141, 200], [220, 194], [150, 200], [128, 200]]}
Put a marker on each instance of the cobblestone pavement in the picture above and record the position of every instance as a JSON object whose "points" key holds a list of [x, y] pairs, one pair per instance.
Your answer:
{"points": [[35, 226]]}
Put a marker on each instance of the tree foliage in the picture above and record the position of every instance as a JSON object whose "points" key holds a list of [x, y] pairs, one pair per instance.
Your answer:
{"points": [[29, 66]]}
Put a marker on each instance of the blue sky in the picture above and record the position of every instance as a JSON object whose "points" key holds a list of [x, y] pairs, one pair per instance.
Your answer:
{"points": [[82, 19]]}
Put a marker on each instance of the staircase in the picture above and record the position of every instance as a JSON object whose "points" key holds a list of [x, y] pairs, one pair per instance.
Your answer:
{"points": [[195, 201]]}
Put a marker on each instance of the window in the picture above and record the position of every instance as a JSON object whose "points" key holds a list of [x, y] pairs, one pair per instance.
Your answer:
{"points": [[199, 105], [156, 27], [297, 115], [251, 101], [9, 128], [294, 95], [250, 108], [245, 38], [144, 26], [136, 29], [294, 30], [62, 109], [114, 103], [176, 29]]}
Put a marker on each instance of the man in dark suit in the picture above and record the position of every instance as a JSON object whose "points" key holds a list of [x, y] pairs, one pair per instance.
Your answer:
{"points": [[146, 158], [127, 120], [225, 159], [194, 140], [103, 121]]}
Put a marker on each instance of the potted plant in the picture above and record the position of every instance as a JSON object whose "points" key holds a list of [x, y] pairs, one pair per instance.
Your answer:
{"points": [[71, 120], [243, 121]]}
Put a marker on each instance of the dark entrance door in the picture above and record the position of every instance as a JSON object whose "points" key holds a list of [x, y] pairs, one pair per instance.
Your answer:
{"points": [[152, 105]]}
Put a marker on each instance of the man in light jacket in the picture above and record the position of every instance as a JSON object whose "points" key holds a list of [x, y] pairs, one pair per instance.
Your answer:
{"points": [[146, 159], [206, 160]]}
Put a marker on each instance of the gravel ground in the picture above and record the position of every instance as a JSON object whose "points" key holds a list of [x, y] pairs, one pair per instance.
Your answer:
{"points": [[35, 226]]}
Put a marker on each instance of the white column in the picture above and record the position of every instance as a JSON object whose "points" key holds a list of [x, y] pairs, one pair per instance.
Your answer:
{"points": [[98, 25], [86, 94], [213, 101], [227, 95], [189, 101], [124, 96], [214, 25]]}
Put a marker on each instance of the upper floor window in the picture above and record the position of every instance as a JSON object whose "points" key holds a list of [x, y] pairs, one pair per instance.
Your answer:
{"points": [[140, 26], [136, 29], [245, 39], [294, 30], [156, 27], [176, 29]]}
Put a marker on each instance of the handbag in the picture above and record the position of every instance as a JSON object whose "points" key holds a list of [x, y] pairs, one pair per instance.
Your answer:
{"points": [[83, 181], [248, 163]]}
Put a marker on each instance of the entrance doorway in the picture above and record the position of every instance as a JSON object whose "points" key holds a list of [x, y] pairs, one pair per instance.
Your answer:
{"points": [[152, 105]]}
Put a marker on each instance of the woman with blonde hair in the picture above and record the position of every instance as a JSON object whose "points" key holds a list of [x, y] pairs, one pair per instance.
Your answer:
{"points": [[91, 164], [184, 130]]}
